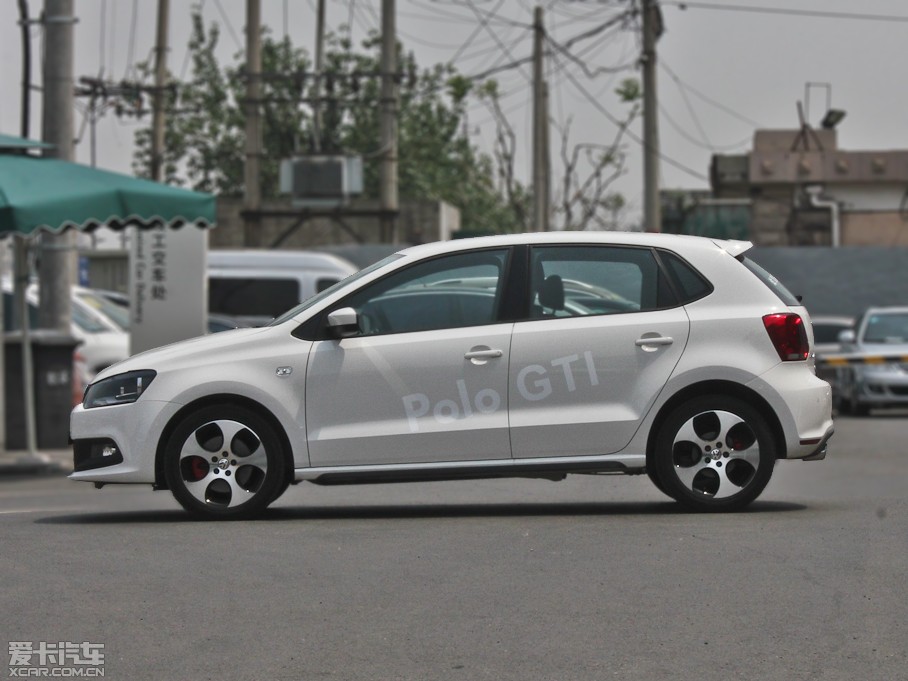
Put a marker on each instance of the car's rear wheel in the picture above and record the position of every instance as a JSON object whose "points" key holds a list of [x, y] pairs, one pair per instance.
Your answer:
{"points": [[224, 461], [714, 453]]}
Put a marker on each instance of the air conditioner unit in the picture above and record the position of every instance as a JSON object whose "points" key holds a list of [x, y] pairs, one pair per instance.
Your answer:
{"points": [[321, 181]]}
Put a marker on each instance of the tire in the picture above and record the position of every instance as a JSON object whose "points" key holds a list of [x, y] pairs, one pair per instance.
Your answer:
{"points": [[654, 478], [224, 461], [714, 453]]}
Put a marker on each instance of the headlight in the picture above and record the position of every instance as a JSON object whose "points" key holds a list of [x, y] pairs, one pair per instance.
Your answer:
{"points": [[123, 389]]}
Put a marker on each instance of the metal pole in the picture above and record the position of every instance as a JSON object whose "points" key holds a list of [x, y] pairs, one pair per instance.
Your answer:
{"points": [[319, 65], [540, 132], [57, 263], [26, 114], [652, 28], [252, 172], [388, 167], [157, 102]]}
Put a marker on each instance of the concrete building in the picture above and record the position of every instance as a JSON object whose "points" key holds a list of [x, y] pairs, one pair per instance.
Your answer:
{"points": [[803, 190]]}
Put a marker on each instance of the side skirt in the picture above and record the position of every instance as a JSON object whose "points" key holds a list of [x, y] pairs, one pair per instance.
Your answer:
{"points": [[358, 475]]}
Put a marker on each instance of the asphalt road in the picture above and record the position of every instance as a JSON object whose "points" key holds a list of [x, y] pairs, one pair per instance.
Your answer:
{"points": [[590, 578]]}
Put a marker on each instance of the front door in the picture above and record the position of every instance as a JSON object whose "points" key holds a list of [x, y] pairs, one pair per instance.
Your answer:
{"points": [[425, 380]]}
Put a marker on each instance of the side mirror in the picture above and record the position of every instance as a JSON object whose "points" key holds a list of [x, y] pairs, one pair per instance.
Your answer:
{"points": [[847, 336], [343, 323]]}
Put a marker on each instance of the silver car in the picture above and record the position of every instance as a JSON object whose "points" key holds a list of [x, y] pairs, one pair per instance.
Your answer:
{"points": [[882, 332], [534, 355]]}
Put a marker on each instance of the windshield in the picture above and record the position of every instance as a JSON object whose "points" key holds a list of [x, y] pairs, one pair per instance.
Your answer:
{"points": [[887, 328], [87, 322], [317, 298]]}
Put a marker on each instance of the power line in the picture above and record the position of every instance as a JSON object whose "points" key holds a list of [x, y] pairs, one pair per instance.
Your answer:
{"points": [[475, 33], [130, 61], [823, 14], [693, 140], [630, 133], [228, 24], [494, 35], [705, 98]]}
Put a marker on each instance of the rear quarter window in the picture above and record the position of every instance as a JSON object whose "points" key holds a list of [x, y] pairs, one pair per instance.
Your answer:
{"points": [[690, 283], [771, 282]]}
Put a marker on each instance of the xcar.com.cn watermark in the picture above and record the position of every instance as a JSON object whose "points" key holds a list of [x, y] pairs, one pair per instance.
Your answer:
{"points": [[62, 659]]}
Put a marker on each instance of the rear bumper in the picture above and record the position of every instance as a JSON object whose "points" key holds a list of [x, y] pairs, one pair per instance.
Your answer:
{"points": [[803, 404], [821, 447]]}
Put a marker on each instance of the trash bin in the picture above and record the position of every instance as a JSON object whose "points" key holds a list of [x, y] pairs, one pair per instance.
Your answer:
{"points": [[52, 356]]}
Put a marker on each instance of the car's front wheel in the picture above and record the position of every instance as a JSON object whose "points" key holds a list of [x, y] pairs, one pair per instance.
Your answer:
{"points": [[224, 461], [714, 453]]}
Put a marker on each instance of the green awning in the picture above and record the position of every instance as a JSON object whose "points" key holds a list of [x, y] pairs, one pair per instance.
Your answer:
{"points": [[53, 195], [10, 142]]}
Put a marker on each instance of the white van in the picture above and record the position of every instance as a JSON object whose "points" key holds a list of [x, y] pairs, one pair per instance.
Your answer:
{"points": [[254, 286]]}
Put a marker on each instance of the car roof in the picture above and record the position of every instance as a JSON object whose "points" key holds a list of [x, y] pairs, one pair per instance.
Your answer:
{"points": [[296, 260], [679, 242], [900, 309]]}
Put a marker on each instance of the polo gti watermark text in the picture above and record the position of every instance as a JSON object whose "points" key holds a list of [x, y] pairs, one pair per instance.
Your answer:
{"points": [[533, 384]]}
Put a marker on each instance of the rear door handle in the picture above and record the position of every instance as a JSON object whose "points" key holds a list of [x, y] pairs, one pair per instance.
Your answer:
{"points": [[656, 340]]}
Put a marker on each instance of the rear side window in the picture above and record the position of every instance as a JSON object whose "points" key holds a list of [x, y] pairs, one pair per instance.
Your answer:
{"points": [[576, 281], [774, 284], [242, 297]]}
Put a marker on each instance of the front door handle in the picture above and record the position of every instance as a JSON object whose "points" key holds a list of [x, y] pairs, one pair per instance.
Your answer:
{"points": [[483, 354], [654, 340]]}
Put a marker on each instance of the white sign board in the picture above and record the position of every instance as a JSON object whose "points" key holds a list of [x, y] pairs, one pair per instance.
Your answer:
{"points": [[168, 286]]}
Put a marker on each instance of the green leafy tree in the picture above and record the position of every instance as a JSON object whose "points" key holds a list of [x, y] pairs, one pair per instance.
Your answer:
{"points": [[204, 138]]}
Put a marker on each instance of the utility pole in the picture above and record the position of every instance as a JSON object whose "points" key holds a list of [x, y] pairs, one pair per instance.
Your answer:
{"points": [[252, 175], [388, 165], [319, 66], [160, 76], [652, 29], [57, 256], [540, 130]]}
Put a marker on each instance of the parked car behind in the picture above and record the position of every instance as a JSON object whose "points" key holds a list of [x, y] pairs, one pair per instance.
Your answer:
{"points": [[102, 342], [881, 331], [115, 305], [255, 286], [826, 332]]}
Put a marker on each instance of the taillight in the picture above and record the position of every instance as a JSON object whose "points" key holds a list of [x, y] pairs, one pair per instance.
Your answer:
{"points": [[788, 335]]}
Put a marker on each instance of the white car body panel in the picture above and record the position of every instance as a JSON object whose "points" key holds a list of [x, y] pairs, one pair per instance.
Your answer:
{"points": [[582, 385], [409, 398]]}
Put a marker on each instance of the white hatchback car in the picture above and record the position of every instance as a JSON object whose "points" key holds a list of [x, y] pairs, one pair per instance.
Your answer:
{"points": [[667, 355]]}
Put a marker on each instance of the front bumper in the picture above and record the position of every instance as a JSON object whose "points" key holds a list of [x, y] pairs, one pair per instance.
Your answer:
{"points": [[134, 429], [881, 387]]}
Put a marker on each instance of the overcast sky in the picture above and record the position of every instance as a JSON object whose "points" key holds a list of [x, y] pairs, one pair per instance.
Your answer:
{"points": [[726, 66]]}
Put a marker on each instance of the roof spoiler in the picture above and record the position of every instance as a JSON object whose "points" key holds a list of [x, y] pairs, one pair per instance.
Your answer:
{"points": [[733, 247]]}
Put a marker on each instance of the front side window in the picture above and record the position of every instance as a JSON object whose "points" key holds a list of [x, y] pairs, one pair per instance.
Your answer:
{"points": [[453, 291], [572, 281]]}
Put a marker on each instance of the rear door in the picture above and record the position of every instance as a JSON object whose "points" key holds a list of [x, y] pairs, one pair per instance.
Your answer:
{"points": [[603, 336]]}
